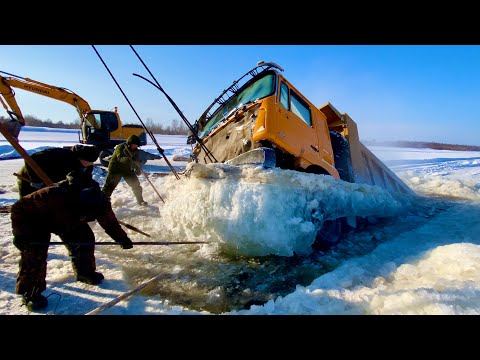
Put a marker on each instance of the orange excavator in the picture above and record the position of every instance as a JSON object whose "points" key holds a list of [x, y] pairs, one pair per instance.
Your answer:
{"points": [[101, 128]]}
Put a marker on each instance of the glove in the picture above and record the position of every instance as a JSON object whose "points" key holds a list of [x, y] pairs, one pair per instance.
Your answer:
{"points": [[126, 243]]}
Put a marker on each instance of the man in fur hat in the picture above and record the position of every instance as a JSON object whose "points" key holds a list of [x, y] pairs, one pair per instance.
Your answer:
{"points": [[57, 163]]}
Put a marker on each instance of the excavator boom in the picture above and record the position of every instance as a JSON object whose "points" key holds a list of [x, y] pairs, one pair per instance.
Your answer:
{"points": [[54, 92]]}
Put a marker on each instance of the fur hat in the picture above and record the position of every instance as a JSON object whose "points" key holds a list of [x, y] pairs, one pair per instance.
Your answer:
{"points": [[86, 152], [133, 139]]}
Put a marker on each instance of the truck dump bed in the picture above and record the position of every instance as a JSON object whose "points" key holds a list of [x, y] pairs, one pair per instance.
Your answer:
{"points": [[367, 168]]}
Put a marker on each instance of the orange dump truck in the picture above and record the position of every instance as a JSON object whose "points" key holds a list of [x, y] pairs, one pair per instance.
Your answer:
{"points": [[266, 120]]}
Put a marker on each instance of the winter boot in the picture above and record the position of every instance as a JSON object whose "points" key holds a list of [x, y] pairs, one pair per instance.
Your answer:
{"points": [[137, 191], [94, 278], [35, 302]]}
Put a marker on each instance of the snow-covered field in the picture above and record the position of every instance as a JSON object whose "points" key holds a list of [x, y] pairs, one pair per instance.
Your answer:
{"points": [[417, 255]]}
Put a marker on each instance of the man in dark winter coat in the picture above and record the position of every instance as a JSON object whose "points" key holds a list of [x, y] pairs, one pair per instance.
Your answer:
{"points": [[57, 163], [127, 161], [65, 209]]}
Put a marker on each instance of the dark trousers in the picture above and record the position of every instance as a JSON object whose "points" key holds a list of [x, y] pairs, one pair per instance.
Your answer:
{"points": [[31, 277], [112, 180]]}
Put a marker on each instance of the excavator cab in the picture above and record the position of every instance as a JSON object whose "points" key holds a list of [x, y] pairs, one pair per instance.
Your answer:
{"points": [[97, 128]]}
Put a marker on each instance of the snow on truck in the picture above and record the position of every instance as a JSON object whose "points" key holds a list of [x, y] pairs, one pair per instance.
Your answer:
{"points": [[263, 119]]}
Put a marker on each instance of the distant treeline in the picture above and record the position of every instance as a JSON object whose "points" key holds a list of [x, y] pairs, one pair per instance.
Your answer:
{"points": [[423, 145], [175, 128], [179, 128]]}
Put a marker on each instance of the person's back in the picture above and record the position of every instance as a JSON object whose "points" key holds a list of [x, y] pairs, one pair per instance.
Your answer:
{"points": [[56, 163], [57, 209], [50, 209]]}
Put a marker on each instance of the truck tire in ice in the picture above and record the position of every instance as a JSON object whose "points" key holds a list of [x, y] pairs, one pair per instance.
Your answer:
{"points": [[341, 152]]}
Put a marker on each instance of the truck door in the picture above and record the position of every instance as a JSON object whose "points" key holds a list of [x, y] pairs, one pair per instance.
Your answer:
{"points": [[295, 133]]}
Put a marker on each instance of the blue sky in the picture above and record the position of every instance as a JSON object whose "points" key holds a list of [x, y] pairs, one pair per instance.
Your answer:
{"points": [[393, 92]]}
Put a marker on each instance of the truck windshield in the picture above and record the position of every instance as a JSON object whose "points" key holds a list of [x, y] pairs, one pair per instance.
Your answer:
{"points": [[256, 90]]}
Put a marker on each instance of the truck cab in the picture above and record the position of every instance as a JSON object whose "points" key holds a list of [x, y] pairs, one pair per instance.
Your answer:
{"points": [[263, 119], [267, 112]]}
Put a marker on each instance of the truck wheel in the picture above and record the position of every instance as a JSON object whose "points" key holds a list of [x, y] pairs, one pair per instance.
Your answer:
{"points": [[328, 235], [105, 157], [342, 158]]}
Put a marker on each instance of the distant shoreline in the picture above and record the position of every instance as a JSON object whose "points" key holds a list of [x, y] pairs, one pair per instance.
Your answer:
{"points": [[422, 145], [398, 143]]}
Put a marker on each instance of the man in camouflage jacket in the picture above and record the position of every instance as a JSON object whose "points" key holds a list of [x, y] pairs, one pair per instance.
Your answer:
{"points": [[126, 162]]}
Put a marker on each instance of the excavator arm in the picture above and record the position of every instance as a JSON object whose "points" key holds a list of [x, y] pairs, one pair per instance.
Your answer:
{"points": [[7, 98], [54, 92]]}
